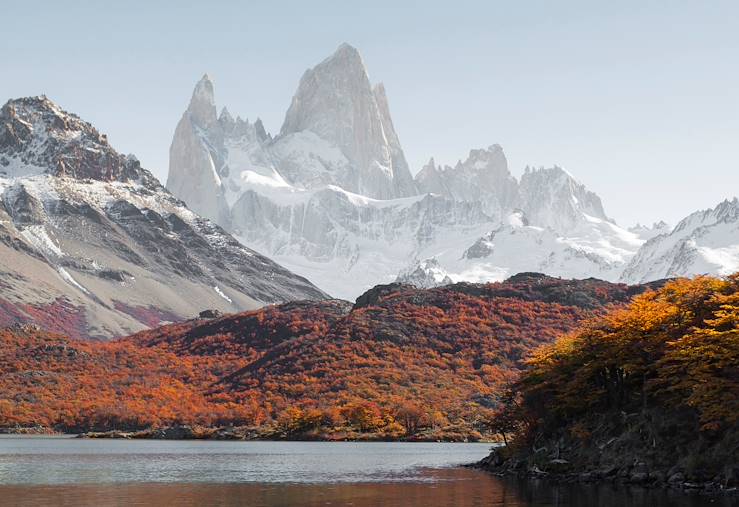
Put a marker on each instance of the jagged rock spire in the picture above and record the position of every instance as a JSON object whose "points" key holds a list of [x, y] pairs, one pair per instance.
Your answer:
{"points": [[193, 167], [202, 106], [225, 116], [483, 176], [260, 131], [336, 102]]}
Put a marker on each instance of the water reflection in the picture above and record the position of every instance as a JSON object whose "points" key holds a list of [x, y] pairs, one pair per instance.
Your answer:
{"points": [[451, 488], [104, 473]]}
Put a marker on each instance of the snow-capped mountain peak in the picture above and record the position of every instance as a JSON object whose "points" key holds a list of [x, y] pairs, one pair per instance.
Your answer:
{"points": [[196, 161], [727, 211], [483, 176], [332, 197], [87, 233], [425, 274], [553, 198], [37, 136], [336, 102], [202, 106], [646, 232], [704, 242]]}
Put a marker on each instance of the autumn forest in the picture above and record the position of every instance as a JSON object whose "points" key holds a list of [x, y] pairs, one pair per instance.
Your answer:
{"points": [[402, 363]]}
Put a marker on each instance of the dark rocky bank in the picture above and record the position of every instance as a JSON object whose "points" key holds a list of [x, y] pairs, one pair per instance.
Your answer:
{"points": [[502, 462], [185, 432]]}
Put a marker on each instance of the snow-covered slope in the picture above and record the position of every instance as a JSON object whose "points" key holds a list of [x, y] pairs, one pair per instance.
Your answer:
{"points": [[88, 230], [331, 197], [705, 242], [349, 242], [598, 249]]}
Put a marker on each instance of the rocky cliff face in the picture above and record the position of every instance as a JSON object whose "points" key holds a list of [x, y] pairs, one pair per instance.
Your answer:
{"points": [[37, 137], [94, 246], [483, 177], [403, 180], [553, 198], [195, 160]]}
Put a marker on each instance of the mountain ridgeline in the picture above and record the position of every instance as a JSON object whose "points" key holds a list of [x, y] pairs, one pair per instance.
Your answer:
{"points": [[331, 197]]}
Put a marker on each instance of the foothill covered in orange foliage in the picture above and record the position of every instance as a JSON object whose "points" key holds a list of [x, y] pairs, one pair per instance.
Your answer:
{"points": [[400, 363]]}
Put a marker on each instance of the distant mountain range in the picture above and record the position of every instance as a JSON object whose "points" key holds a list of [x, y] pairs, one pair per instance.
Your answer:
{"points": [[332, 198]]}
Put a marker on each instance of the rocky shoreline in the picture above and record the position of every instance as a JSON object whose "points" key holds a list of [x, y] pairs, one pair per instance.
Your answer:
{"points": [[177, 433], [246, 433], [28, 430], [637, 474], [267, 433]]}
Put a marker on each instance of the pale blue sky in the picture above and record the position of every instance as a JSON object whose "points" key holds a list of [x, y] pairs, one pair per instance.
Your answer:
{"points": [[639, 100]]}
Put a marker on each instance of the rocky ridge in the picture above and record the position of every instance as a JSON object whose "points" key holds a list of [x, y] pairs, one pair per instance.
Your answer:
{"points": [[94, 246]]}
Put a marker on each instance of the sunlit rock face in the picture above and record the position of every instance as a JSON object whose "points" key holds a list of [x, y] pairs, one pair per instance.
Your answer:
{"points": [[195, 160], [336, 102], [483, 177], [553, 198]]}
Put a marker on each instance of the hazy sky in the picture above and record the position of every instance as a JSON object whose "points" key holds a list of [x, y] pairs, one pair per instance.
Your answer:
{"points": [[639, 100]]}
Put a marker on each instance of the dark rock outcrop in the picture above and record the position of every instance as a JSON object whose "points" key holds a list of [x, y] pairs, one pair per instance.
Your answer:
{"points": [[376, 293]]}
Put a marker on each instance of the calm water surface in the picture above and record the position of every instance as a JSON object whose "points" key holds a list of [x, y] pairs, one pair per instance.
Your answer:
{"points": [[38, 471]]}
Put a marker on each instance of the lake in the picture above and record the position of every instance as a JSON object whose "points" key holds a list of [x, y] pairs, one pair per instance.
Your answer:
{"points": [[55, 471]]}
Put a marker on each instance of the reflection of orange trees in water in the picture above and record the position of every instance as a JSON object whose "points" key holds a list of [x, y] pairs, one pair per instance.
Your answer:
{"points": [[460, 487], [413, 362]]}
